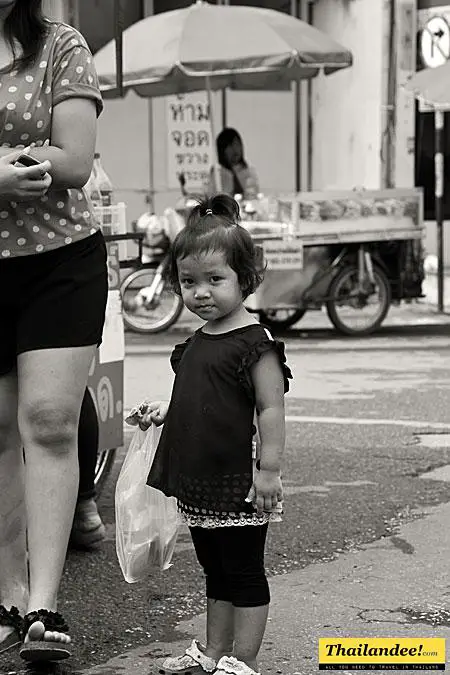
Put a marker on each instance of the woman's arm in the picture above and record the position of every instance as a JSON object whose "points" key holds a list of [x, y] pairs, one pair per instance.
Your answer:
{"points": [[73, 134], [268, 383]]}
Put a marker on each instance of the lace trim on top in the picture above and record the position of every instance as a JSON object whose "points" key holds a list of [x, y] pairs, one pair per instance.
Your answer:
{"points": [[226, 519]]}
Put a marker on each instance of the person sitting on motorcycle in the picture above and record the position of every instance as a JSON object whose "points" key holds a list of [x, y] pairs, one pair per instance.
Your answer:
{"points": [[236, 175]]}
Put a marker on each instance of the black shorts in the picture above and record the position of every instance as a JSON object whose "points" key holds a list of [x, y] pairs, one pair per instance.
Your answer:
{"points": [[53, 299]]}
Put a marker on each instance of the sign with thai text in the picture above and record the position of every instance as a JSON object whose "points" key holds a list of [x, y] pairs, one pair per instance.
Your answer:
{"points": [[189, 140], [283, 255]]}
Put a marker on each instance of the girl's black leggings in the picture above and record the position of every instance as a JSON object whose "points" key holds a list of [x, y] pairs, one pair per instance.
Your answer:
{"points": [[87, 447], [233, 561]]}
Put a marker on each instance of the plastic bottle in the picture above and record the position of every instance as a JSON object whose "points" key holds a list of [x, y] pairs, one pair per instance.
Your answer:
{"points": [[103, 181], [251, 186], [93, 190], [106, 189]]}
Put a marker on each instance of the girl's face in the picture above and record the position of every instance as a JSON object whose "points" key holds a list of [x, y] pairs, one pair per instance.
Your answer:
{"points": [[233, 152], [209, 287]]}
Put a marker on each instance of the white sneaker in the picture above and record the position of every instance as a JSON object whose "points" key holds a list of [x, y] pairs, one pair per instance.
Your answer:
{"points": [[192, 662], [229, 665]]}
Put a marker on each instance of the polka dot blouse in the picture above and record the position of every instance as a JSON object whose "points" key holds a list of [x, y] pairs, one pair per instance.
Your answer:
{"points": [[63, 70]]}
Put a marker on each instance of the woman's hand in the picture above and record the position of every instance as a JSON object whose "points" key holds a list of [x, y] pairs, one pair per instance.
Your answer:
{"points": [[155, 413], [266, 490], [20, 183]]}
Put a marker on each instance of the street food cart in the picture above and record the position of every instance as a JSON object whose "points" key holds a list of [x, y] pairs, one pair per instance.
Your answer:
{"points": [[352, 252]]}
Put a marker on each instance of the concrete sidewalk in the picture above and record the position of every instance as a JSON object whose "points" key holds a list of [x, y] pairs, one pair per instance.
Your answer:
{"points": [[430, 290], [395, 587]]}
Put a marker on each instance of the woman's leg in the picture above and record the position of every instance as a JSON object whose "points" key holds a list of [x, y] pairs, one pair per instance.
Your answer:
{"points": [[87, 447], [13, 559], [87, 529], [51, 388]]}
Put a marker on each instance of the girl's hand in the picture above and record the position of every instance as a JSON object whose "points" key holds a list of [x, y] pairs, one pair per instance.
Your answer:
{"points": [[266, 490], [155, 413], [23, 183]]}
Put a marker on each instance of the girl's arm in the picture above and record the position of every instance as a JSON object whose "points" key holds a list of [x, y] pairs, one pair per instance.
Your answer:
{"points": [[155, 413], [268, 383], [73, 134]]}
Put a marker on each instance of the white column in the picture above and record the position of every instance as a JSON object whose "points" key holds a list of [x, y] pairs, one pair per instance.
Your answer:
{"points": [[406, 21]]}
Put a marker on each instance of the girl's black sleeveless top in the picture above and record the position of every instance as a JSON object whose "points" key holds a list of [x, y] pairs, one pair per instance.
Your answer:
{"points": [[204, 456]]}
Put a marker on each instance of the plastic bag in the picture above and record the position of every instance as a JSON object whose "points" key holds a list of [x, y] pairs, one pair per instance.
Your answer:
{"points": [[146, 520]]}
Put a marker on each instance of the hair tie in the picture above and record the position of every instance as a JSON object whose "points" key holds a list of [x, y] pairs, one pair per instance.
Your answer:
{"points": [[208, 212]]}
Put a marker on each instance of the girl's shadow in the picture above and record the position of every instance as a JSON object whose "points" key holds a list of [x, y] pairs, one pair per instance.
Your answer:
{"points": [[49, 669]]}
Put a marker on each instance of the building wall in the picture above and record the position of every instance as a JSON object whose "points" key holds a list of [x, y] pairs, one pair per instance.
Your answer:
{"points": [[347, 106]]}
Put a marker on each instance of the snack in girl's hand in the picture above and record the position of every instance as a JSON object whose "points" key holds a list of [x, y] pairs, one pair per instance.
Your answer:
{"points": [[137, 413]]}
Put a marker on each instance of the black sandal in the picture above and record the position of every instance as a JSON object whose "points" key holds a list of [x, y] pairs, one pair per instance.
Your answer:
{"points": [[11, 617], [45, 650]]}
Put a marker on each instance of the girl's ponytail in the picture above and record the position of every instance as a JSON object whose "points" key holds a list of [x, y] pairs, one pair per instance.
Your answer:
{"points": [[221, 205]]}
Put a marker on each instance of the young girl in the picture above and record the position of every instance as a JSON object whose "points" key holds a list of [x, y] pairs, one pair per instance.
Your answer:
{"points": [[228, 369]]}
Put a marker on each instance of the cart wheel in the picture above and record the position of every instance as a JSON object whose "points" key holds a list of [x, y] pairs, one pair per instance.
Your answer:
{"points": [[105, 461], [355, 311], [144, 318], [279, 319]]}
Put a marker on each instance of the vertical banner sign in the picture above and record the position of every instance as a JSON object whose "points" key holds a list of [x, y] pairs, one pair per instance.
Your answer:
{"points": [[106, 372], [190, 149]]}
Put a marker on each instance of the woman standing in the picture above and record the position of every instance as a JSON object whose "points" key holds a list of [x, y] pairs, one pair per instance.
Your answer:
{"points": [[54, 288]]}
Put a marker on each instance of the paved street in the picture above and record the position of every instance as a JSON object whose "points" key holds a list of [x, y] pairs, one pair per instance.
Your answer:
{"points": [[364, 546]]}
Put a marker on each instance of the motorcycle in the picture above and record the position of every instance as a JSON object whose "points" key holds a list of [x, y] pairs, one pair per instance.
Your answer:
{"points": [[149, 304]]}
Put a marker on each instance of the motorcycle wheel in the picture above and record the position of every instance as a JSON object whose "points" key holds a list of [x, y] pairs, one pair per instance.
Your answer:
{"points": [[350, 311], [152, 318], [105, 461], [279, 319]]}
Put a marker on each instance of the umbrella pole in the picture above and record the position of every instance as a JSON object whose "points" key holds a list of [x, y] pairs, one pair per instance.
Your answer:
{"points": [[439, 192], [217, 173], [118, 30]]}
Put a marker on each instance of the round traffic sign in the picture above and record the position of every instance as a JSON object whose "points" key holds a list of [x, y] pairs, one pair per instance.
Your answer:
{"points": [[435, 42]]}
